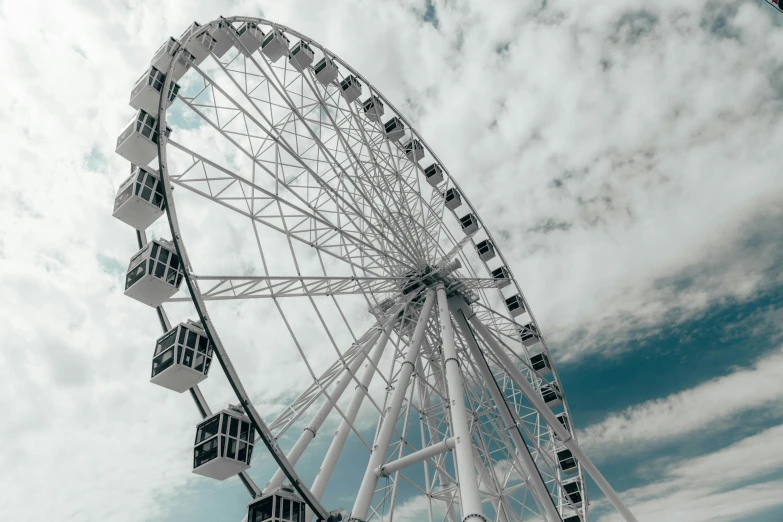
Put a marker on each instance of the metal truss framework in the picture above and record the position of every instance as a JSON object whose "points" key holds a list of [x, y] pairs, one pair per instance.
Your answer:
{"points": [[460, 419]]}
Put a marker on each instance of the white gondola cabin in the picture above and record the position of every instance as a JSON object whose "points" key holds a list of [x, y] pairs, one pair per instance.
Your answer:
{"points": [[452, 198], [201, 46], [394, 129], [540, 364], [550, 392], [146, 93], [325, 71], [301, 56], [275, 45], [182, 357], [224, 445], [154, 273], [138, 141], [139, 202], [572, 489], [182, 65], [250, 36], [351, 88], [566, 461], [485, 249], [280, 505], [434, 174], [165, 53], [414, 150], [501, 276], [529, 335], [562, 418], [469, 224], [373, 108], [515, 305], [222, 38]]}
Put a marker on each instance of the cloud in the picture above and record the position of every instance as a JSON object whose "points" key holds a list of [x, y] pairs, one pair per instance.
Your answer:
{"points": [[714, 404], [730, 484]]}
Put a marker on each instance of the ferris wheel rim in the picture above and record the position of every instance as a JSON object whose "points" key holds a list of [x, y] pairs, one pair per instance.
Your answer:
{"points": [[191, 279]]}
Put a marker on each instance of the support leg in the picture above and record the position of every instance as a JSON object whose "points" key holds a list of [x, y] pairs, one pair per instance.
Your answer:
{"points": [[361, 506], [538, 403], [463, 449]]}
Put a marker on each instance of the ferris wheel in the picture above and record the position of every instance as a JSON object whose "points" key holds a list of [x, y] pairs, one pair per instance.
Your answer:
{"points": [[353, 221]]}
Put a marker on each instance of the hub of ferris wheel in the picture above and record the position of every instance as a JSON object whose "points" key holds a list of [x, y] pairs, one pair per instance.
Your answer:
{"points": [[428, 300]]}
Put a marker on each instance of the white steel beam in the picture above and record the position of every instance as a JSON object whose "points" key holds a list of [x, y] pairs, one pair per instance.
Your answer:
{"points": [[538, 403], [361, 506], [425, 405], [385, 470], [309, 433], [470, 499], [530, 472], [341, 435]]}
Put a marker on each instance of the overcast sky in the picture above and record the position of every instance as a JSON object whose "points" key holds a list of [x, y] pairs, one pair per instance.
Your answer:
{"points": [[625, 154]]}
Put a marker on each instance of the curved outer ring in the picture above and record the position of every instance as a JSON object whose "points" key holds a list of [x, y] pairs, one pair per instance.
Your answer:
{"points": [[198, 301]]}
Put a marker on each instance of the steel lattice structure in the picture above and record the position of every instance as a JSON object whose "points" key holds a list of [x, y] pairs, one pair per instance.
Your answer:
{"points": [[305, 151]]}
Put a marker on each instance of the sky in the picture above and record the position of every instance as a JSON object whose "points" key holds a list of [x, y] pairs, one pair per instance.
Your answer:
{"points": [[623, 153]]}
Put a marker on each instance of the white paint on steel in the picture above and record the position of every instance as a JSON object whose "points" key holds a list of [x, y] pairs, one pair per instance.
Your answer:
{"points": [[361, 506], [470, 500]]}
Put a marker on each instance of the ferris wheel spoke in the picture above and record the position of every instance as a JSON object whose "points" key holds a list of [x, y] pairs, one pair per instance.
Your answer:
{"points": [[251, 200], [319, 214], [360, 176], [280, 139], [265, 287]]}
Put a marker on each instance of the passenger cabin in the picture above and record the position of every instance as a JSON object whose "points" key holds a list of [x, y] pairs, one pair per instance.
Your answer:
{"points": [[486, 250], [146, 93], [550, 392], [373, 108], [434, 174], [182, 65], [501, 276], [138, 141], [280, 505], [469, 224], [325, 71], [540, 364], [563, 419], [224, 445], [515, 305], [572, 489], [222, 38], [139, 202], [154, 273], [301, 56], [414, 150], [567, 462], [394, 128], [165, 53], [572, 518], [529, 335], [200, 46], [275, 45], [250, 36], [452, 198], [351, 88], [182, 357]]}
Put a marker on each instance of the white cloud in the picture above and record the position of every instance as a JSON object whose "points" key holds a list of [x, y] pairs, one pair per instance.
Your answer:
{"points": [[714, 404], [729, 484]]}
